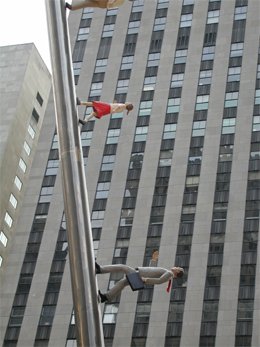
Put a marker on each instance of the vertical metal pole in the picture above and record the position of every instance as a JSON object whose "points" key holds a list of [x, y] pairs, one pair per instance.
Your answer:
{"points": [[84, 286]]}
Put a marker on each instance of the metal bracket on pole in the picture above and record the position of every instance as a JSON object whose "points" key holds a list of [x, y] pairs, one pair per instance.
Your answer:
{"points": [[81, 256]]}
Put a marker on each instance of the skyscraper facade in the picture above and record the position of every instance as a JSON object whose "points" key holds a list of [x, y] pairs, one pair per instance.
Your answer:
{"points": [[25, 88], [180, 173]]}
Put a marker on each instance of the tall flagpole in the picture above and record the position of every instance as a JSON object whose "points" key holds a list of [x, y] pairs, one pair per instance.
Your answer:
{"points": [[81, 256]]}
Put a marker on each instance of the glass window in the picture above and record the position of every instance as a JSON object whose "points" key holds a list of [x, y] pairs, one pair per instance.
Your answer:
{"points": [[165, 158], [102, 190], [122, 86], [127, 216], [22, 165], [228, 125], [83, 34], [52, 167], [108, 30], [96, 89], [141, 134], [198, 128], [173, 105], [258, 71], [205, 77], [186, 20], [208, 53], [110, 313], [133, 27], [8, 219], [113, 136], [159, 23], [240, 12], [257, 97], [177, 80], [180, 56], [13, 201], [231, 99], [3, 238], [27, 148], [202, 102], [213, 17], [153, 59], [149, 83], [256, 123], [97, 218], [136, 160], [226, 153], [31, 131], [86, 137], [127, 62], [101, 65], [234, 74], [169, 131], [145, 108], [18, 182], [76, 67], [108, 162], [236, 49]]}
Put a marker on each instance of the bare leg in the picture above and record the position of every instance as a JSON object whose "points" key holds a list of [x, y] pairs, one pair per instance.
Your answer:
{"points": [[86, 103], [89, 3], [87, 118]]}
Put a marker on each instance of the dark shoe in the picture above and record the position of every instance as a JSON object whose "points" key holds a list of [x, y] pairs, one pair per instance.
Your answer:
{"points": [[78, 101], [97, 266], [103, 297], [83, 122], [68, 6]]}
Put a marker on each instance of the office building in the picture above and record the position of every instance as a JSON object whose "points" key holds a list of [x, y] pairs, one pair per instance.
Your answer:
{"points": [[25, 88], [180, 174]]}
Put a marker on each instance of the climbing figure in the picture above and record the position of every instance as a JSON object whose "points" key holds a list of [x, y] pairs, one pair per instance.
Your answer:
{"points": [[101, 109], [77, 5], [149, 275]]}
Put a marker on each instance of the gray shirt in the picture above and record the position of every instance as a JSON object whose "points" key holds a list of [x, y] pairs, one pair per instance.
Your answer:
{"points": [[155, 275]]}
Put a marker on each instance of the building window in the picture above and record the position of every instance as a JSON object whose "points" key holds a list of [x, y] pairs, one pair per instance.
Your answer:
{"points": [[108, 162], [257, 97], [113, 136], [39, 98], [236, 49], [153, 59], [256, 123], [186, 20], [8, 219], [133, 27], [159, 23], [141, 133], [52, 167], [22, 165], [3, 238], [1, 260], [240, 12], [110, 313], [205, 77], [97, 218], [234, 74], [127, 62], [13, 201], [18, 183], [83, 34], [149, 83], [208, 53], [180, 56], [173, 105], [102, 190], [169, 131], [31, 131], [108, 30], [258, 71], [101, 65], [122, 86], [86, 137], [76, 67], [177, 80], [225, 153], [198, 128], [96, 89], [228, 125], [145, 108], [165, 158], [27, 148], [202, 102], [213, 17], [231, 99]]}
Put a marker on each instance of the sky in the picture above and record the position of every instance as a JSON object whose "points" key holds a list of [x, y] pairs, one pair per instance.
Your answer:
{"points": [[24, 21]]}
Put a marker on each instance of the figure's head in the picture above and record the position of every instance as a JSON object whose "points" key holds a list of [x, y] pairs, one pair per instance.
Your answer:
{"points": [[155, 254], [177, 271], [129, 107]]}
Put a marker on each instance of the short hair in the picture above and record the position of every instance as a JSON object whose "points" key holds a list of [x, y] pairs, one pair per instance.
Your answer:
{"points": [[129, 107], [180, 273]]}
